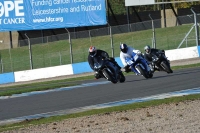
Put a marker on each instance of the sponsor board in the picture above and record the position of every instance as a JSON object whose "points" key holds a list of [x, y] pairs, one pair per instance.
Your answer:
{"points": [[46, 14]]}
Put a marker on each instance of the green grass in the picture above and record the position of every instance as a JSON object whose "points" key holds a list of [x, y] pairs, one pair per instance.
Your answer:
{"points": [[133, 106], [67, 82], [45, 55], [58, 53], [40, 86]]}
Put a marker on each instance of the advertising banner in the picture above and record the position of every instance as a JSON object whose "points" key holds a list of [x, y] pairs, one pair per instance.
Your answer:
{"points": [[18, 15]]}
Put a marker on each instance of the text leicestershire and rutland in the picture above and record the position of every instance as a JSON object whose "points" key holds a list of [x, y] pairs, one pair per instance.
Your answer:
{"points": [[81, 8]]}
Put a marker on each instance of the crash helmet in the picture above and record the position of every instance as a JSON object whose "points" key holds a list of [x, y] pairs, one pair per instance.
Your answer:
{"points": [[147, 49], [92, 51], [124, 48]]}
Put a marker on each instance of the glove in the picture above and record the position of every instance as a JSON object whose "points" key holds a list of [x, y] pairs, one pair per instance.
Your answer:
{"points": [[139, 53], [111, 59]]}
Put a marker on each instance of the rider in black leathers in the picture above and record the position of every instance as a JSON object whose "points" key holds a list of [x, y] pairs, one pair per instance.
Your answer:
{"points": [[97, 52], [150, 53]]}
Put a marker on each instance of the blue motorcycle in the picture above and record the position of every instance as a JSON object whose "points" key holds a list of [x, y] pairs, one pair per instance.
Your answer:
{"points": [[139, 65]]}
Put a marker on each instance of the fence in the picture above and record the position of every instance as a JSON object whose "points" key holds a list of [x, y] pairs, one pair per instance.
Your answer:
{"points": [[73, 47]]}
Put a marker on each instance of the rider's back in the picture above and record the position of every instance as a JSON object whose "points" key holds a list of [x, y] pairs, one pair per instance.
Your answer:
{"points": [[123, 56]]}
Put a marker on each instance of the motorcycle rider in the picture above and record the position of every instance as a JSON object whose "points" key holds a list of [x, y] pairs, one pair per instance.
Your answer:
{"points": [[150, 53], [126, 52], [97, 52]]}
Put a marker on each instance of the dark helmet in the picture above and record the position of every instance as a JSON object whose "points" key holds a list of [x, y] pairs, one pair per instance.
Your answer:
{"points": [[124, 48], [147, 49], [92, 51]]}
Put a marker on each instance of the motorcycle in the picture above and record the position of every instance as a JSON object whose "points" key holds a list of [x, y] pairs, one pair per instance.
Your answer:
{"points": [[161, 63], [139, 66], [108, 70]]}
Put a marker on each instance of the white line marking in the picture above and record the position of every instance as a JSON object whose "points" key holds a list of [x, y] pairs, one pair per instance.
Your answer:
{"points": [[104, 105]]}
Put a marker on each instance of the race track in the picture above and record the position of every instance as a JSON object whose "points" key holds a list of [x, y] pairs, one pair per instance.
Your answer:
{"points": [[134, 87]]}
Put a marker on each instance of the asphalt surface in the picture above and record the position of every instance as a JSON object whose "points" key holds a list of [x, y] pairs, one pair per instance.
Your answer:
{"points": [[134, 87], [173, 63]]}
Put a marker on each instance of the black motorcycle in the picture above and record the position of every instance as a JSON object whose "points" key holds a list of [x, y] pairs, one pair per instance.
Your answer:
{"points": [[108, 70], [161, 63]]}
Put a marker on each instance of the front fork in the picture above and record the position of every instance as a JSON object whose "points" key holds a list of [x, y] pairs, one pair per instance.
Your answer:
{"points": [[152, 67]]}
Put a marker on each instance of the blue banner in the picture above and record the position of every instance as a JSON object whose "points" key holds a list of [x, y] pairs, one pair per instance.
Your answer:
{"points": [[18, 15]]}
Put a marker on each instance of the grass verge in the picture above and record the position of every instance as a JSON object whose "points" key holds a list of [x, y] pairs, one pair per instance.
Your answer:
{"points": [[133, 106], [41, 86], [27, 123]]}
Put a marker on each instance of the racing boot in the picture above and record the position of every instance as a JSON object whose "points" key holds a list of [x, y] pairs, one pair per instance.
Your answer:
{"points": [[97, 75]]}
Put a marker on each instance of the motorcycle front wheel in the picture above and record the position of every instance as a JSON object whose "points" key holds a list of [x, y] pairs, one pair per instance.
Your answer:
{"points": [[109, 76], [142, 72], [166, 67], [121, 77], [150, 75]]}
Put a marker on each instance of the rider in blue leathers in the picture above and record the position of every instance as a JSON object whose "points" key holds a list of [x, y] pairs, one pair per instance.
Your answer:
{"points": [[127, 55]]}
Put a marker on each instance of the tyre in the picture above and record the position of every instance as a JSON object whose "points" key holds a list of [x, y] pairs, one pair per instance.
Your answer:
{"points": [[121, 77], [142, 72], [171, 71], [166, 67], [150, 75], [109, 76]]}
